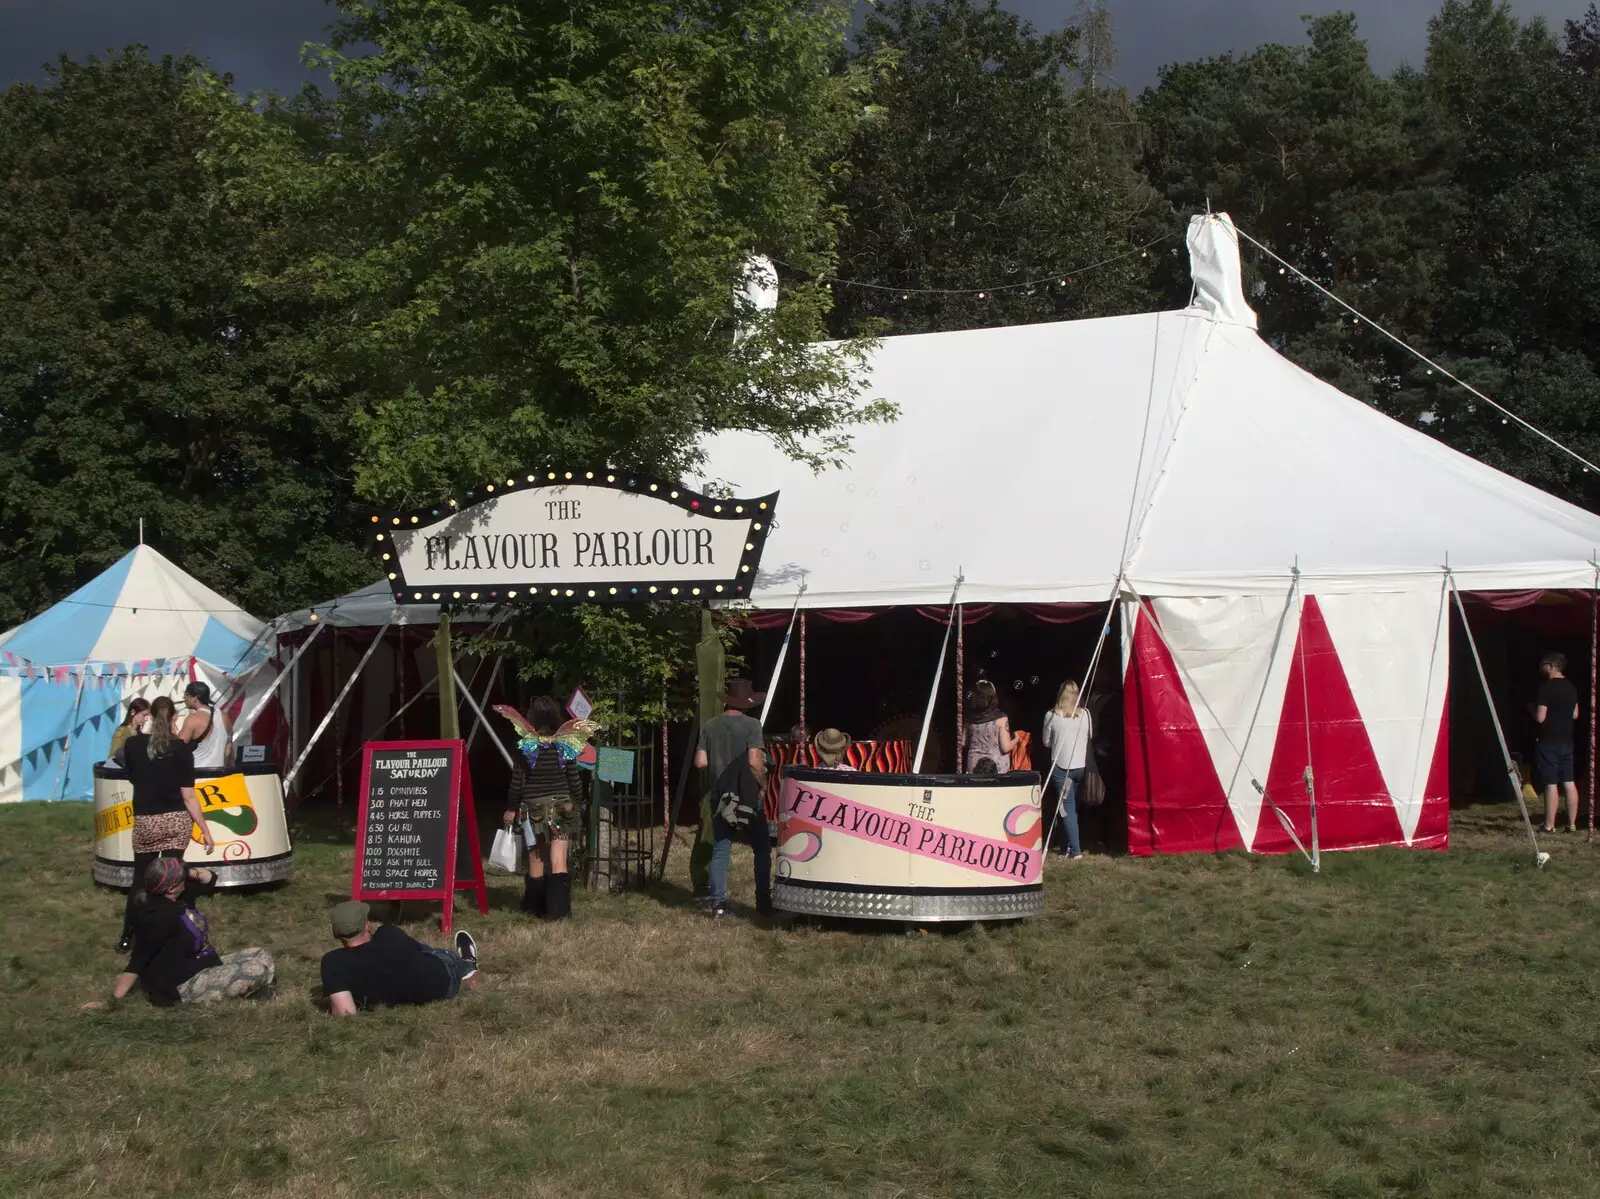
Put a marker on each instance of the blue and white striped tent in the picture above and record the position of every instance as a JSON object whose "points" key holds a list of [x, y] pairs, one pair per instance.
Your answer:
{"points": [[143, 628]]}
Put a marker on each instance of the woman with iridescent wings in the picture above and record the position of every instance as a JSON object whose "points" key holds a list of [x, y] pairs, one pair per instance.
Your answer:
{"points": [[544, 801]]}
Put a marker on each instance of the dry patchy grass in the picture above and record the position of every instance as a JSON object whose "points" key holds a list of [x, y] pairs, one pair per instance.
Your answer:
{"points": [[1402, 1024]]}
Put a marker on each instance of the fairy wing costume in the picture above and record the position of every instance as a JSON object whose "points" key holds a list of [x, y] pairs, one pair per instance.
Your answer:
{"points": [[545, 787]]}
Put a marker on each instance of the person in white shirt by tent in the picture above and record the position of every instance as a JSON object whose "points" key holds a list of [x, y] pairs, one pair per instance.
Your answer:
{"points": [[1067, 728]]}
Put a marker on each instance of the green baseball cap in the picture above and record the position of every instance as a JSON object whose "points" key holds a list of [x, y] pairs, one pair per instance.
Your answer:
{"points": [[350, 918]]}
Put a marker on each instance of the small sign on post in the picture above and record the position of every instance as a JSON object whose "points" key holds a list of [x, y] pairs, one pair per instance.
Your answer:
{"points": [[579, 707], [615, 765], [414, 795]]}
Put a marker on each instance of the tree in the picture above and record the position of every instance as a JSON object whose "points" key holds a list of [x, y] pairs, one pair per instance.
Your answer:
{"points": [[139, 376], [1519, 310], [536, 228], [1455, 206], [532, 219], [994, 157], [1314, 154]]}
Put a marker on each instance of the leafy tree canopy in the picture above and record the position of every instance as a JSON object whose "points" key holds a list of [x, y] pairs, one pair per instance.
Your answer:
{"points": [[997, 155], [1455, 205], [139, 375], [533, 217]]}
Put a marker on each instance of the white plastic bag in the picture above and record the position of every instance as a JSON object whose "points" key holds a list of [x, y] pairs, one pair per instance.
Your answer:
{"points": [[503, 853]]}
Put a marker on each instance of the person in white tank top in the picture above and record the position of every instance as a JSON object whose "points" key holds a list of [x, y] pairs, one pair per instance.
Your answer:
{"points": [[204, 730]]}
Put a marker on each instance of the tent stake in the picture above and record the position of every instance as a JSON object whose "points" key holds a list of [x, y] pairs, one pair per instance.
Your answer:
{"points": [[1539, 856]]}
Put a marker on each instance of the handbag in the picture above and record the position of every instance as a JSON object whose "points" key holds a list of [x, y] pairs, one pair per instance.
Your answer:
{"points": [[1093, 792], [503, 853]]}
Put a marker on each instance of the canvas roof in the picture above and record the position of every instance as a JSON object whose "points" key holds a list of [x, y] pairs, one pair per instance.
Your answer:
{"points": [[1177, 450], [142, 607]]}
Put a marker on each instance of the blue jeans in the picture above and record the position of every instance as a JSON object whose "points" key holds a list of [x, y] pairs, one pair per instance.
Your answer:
{"points": [[1066, 782], [759, 837], [455, 967]]}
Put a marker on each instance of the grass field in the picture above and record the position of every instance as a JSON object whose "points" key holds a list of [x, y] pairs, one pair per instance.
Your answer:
{"points": [[1403, 1024]]}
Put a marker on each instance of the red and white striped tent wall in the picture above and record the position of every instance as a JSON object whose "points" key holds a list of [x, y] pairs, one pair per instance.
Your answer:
{"points": [[1285, 557]]}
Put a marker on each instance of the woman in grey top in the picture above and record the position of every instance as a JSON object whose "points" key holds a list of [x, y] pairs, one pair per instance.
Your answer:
{"points": [[988, 730]]}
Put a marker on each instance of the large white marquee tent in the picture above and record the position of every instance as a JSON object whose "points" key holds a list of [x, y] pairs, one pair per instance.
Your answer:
{"points": [[1284, 554]]}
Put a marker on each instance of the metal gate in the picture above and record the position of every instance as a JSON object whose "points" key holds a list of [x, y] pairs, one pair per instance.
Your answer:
{"points": [[620, 848]]}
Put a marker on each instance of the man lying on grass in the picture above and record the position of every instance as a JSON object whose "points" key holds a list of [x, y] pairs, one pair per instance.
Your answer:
{"points": [[382, 966]]}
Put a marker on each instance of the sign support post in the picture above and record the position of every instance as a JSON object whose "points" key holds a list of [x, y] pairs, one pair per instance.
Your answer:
{"points": [[449, 718]]}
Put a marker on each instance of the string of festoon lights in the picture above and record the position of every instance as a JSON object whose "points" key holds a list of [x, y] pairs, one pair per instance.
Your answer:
{"points": [[1054, 279]]}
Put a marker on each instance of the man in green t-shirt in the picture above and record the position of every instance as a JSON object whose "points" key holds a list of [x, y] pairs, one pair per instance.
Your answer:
{"points": [[724, 740]]}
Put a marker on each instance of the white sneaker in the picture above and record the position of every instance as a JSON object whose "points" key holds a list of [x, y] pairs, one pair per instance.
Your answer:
{"points": [[467, 951]]}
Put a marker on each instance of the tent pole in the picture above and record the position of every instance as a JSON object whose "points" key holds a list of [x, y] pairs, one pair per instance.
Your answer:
{"points": [[488, 690], [1594, 652], [477, 712], [333, 708], [1083, 702], [1539, 857], [72, 736], [938, 673], [449, 715], [803, 723], [1310, 776], [245, 725], [783, 652], [961, 676]]}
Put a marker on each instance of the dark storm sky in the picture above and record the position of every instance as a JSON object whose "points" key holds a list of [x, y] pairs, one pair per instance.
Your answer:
{"points": [[259, 40]]}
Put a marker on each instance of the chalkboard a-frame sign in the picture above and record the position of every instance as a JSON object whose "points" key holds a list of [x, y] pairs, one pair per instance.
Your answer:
{"points": [[414, 795]]}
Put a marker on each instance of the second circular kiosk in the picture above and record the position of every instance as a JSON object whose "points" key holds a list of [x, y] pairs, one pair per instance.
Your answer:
{"points": [[243, 806], [923, 848]]}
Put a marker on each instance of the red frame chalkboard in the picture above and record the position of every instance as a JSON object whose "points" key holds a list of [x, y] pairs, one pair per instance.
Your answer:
{"points": [[461, 805]]}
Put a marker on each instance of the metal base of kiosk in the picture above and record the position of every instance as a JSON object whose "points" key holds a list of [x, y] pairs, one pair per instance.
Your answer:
{"points": [[925, 908], [257, 873]]}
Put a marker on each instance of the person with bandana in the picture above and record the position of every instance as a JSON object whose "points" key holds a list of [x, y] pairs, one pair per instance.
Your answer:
{"points": [[173, 960]]}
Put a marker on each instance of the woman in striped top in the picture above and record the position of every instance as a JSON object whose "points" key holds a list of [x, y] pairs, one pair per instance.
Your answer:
{"points": [[545, 797]]}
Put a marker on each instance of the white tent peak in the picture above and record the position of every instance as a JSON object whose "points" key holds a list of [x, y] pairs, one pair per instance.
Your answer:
{"points": [[1215, 268], [756, 291]]}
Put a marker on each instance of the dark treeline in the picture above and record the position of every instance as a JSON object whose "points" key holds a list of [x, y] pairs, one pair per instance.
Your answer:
{"points": [[491, 241]]}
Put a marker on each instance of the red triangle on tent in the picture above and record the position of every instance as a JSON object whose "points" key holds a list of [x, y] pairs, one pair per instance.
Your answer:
{"points": [[1176, 803], [1354, 809], [1433, 826]]}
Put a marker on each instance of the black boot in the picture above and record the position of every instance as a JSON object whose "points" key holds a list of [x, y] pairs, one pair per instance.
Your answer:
{"points": [[560, 906], [535, 893]]}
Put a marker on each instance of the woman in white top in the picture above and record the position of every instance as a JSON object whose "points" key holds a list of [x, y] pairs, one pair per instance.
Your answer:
{"points": [[1067, 729]]}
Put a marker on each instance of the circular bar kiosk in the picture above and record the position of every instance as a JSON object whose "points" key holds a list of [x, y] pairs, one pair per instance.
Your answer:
{"points": [[921, 848], [243, 806]]}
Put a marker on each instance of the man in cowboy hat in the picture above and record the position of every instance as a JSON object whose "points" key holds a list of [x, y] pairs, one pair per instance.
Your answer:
{"points": [[735, 733], [734, 737]]}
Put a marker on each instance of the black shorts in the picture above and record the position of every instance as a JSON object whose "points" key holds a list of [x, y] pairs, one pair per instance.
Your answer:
{"points": [[1552, 764]]}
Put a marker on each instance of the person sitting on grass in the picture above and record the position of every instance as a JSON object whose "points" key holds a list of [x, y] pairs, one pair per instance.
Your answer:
{"points": [[382, 967], [172, 955]]}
